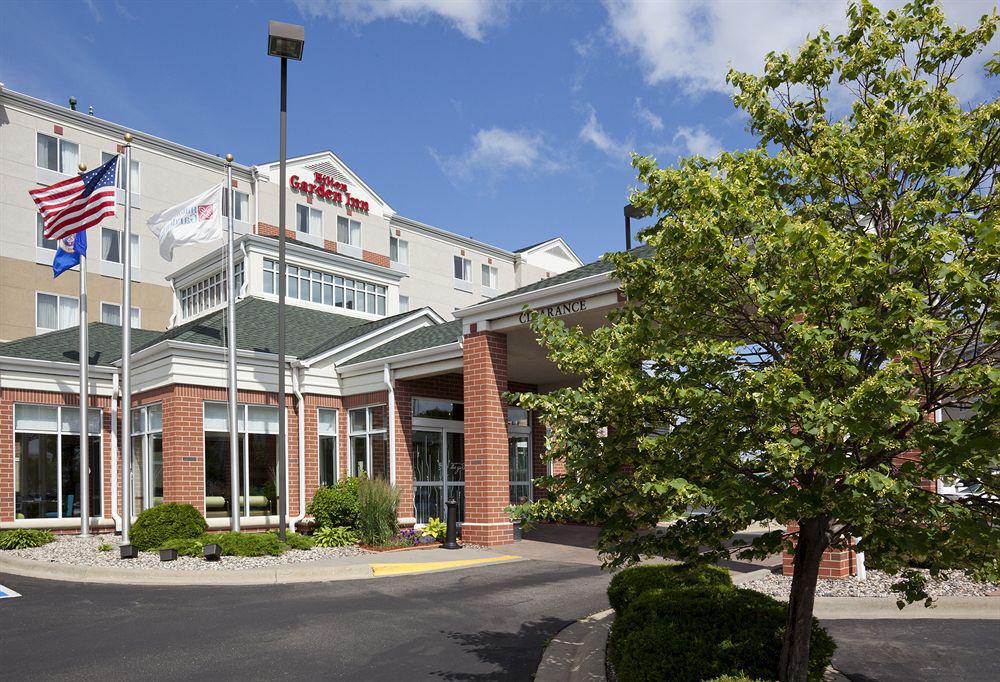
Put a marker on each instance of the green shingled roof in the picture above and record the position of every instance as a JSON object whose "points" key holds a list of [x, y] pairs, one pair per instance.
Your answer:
{"points": [[104, 340], [355, 332], [595, 268], [425, 337], [257, 328]]}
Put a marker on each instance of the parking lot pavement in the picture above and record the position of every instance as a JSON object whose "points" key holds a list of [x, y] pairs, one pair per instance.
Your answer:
{"points": [[915, 650]]}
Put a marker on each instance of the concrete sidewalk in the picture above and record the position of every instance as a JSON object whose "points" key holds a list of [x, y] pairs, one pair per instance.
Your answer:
{"points": [[362, 567]]}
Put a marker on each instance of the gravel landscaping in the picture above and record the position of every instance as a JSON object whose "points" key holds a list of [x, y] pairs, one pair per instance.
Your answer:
{"points": [[877, 584], [77, 551]]}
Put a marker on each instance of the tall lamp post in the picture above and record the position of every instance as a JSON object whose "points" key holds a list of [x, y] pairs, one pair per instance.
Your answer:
{"points": [[631, 211], [287, 42]]}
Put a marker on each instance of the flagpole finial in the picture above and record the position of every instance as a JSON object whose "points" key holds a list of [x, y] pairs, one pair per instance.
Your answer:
{"points": [[82, 168], [229, 158], [128, 137]]}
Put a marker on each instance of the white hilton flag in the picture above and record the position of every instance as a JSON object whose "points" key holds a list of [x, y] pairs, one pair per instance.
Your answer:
{"points": [[196, 221]]}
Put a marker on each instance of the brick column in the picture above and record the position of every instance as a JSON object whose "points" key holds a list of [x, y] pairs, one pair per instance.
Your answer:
{"points": [[184, 446], [486, 466], [403, 415], [839, 562]]}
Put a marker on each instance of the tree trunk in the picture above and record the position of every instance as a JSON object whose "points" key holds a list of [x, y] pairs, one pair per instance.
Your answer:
{"points": [[794, 663]]}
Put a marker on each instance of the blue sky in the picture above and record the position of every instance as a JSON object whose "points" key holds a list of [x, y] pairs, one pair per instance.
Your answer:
{"points": [[507, 122]]}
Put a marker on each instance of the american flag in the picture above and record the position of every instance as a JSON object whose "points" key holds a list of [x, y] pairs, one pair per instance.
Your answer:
{"points": [[73, 205]]}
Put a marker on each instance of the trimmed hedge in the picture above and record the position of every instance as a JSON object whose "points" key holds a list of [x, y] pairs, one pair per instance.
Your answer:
{"points": [[335, 505], [248, 544], [188, 546], [24, 538], [630, 583], [165, 522], [296, 541], [698, 633]]}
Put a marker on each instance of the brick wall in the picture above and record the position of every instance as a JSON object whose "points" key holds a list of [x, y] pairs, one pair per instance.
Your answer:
{"points": [[376, 258], [840, 562], [486, 465], [266, 230]]}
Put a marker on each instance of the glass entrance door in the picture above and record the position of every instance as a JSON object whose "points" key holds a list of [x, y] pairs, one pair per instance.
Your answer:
{"points": [[438, 472]]}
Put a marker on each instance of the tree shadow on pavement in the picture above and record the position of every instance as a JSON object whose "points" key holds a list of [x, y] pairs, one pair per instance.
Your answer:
{"points": [[514, 655]]}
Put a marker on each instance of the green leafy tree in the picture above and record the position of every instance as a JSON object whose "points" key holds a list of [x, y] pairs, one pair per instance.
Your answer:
{"points": [[799, 314]]}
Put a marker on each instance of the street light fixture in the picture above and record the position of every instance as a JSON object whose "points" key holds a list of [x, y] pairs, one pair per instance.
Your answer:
{"points": [[631, 211], [287, 42]]}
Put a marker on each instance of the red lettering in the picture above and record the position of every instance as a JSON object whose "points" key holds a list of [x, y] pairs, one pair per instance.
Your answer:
{"points": [[294, 181]]}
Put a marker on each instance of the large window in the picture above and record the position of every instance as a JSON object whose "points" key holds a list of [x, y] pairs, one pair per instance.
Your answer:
{"points": [[324, 288], [120, 177], [369, 452], [47, 461], [54, 312], [111, 313], [438, 451], [399, 250], [209, 293], [463, 269], [327, 429], [57, 154], [111, 247], [258, 429], [147, 457], [308, 219], [241, 205], [348, 231]]}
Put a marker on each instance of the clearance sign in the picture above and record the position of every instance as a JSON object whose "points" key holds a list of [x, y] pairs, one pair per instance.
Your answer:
{"points": [[325, 187]]}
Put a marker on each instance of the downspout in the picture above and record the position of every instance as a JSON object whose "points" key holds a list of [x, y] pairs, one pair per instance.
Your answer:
{"points": [[246, 269], [114, 452], [256, 208], [298, 369], [387, 379]]}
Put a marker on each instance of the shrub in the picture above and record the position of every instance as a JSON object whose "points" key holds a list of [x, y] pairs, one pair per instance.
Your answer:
{"points": [[436, 528], [336, 505], [164, 522], [188, 546], [377, 505], [24, 538], [296, 541], [335, 536], [631, 582], [247, 544], [698, 633]]}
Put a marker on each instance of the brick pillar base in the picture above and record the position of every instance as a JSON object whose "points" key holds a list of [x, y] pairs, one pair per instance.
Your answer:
{"points": [[487, 482], [838, 562]]}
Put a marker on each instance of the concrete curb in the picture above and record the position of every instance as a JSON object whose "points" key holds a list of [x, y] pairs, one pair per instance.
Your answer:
{"points": [[872, 608], [577, 652], [304, 572]]}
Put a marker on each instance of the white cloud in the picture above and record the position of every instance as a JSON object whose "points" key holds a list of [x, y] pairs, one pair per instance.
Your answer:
{"points": [[647, 116], [593, 132], [697, 140], [693, 44], [495, 152], [469, 17], [93, 9]]}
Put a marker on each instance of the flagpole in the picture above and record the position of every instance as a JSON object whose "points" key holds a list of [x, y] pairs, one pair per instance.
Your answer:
{"points": [[84, 386], [234, 447], [126, 317]]}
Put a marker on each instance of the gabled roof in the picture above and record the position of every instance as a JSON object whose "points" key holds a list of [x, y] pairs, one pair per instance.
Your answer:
{"points": [[595, 268], [327, 155], [104, 342], [257, 329], [419, 339], [360, 330], [552, 241]]}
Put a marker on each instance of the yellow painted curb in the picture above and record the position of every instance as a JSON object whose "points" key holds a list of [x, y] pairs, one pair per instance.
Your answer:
{"points": [[379, 570]]}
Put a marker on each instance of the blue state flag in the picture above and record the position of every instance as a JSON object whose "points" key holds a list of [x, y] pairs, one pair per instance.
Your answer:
{"points": [[68, 252]]}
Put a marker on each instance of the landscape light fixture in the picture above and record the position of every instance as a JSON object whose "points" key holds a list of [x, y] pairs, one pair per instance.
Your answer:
{"points": [[213, 552], [285, 40], [168, 555], [129, 551]]}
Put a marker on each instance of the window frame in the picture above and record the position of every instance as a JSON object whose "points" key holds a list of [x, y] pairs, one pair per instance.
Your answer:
{"points": [[351, 224], [313, 218], [121, 254], [493, 281], [134, 187], [335, 436], [394, 245], [466, 267], [146, 433], [135, 318], [60, 141], [367, 434], [59, 299], [93, 459], [40, 240]]}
